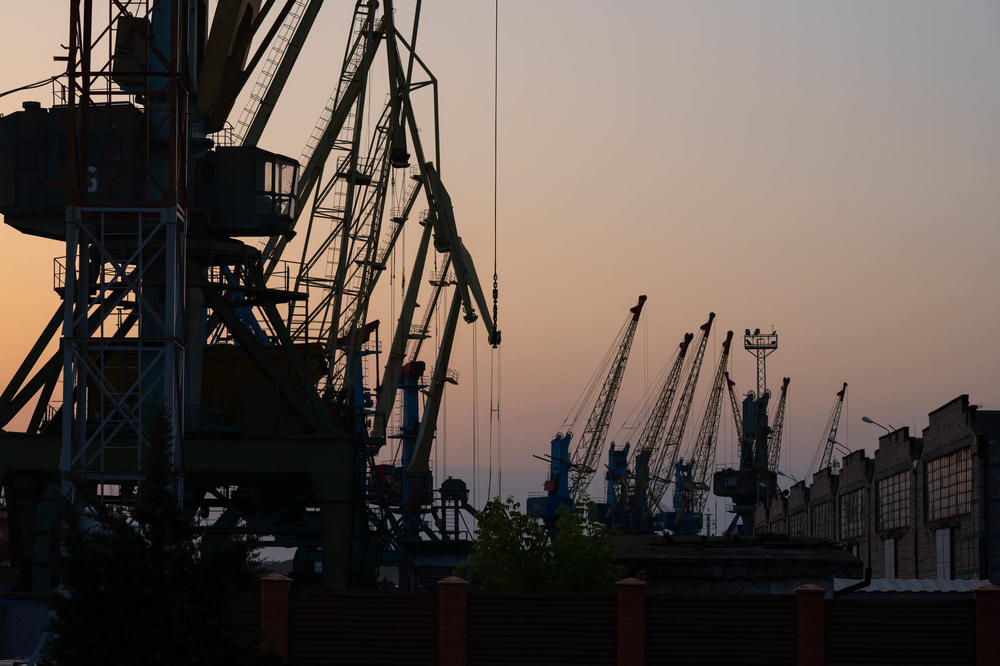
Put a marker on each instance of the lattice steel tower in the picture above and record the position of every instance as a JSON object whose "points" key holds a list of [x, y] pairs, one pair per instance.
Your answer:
{"points": [[760, 345]]}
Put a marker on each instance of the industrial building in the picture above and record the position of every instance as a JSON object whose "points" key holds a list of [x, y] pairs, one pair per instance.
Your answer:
{"points": [[923, 507]]}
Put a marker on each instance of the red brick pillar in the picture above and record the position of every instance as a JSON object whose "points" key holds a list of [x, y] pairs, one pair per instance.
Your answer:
{"points": [[274, 593], [987, 624], [452, 603], [631, 622], [811, 625]]}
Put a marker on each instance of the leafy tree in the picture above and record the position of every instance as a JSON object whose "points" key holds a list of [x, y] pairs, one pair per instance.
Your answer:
{"points": [[140, 587], [513, 553], [582, 553]]}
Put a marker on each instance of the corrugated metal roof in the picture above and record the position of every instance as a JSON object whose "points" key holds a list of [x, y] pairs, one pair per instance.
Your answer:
{"points": [[911, 585]]}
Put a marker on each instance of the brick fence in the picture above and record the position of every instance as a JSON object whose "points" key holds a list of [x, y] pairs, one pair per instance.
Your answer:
{"points": [[459, 627]]}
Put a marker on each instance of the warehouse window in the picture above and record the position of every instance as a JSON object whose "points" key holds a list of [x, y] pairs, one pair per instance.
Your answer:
{"points": [[949, 485], [890, 558], [852, 514], [797, 524], [943, 543], [894, 501], [823, 524]]}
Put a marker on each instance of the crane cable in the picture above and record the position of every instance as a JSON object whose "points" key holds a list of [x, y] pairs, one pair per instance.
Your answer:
{"points": [[475, 420], [494, 353], [30, 86]]}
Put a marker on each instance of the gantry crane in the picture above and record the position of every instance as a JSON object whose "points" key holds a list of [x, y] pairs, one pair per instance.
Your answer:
{"points": [[662, 466], [152, 195], [570, 474], [691, 490], [774, 439], [824, 452]]}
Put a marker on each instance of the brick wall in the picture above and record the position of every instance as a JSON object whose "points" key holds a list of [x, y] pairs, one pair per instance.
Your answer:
{"points": [[992, 522], [949, 430], [777, 515], [855, 476], [798, 509], [631, 628], [760, 523], [798, 498], [823, 495], [898, 453], [974, 530]]}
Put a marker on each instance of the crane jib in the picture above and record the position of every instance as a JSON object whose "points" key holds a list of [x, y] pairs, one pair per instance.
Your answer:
{"points": [[666, 455], [591, 443]]}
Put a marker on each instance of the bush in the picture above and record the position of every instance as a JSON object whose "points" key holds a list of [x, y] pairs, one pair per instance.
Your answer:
{"points": [[513, 553]]}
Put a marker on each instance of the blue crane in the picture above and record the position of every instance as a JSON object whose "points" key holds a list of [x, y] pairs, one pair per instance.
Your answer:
{"points": [[691, 477], [665, 456], [627, 492], [570, 474]]}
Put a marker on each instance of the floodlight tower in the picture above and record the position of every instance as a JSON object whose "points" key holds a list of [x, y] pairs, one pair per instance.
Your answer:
{"points": [[753, 482], [760, 345]]}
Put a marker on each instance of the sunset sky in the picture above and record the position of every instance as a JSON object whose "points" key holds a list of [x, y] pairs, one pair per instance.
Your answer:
{"points": [[828, 169]]}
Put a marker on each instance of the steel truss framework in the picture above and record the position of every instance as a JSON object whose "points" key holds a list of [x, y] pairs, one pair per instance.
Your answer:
{"points": [[132, 276], [665, 457], [125, 252], [114, 383]]}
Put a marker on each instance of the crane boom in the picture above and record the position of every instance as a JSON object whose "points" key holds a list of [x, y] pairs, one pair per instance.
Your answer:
{"points": [[735, 404], [666, 455], [277, 67], [361, 51], [591, 442], [652, 430], [774, 439], [826, 446], [428, 423], [704, 446]]}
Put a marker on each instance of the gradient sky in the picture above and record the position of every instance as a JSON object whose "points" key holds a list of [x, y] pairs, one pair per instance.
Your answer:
{"points": [[828, 169]]}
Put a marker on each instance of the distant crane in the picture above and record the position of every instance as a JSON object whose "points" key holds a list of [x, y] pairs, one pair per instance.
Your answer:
{"points": [[693, 491], [570, 475], [825, 450], [662, 468], [735, 404], [650, 435], [752, 482], [591, 443], [774, 439]]}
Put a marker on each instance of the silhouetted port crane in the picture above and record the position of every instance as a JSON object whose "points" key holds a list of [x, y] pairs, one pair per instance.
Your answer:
{"points": [[735, 404], [228, 288], [752, 481], [661, 470], [627, 492], [570, 475], [691, 489], [824, 452], [774, 439]]}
